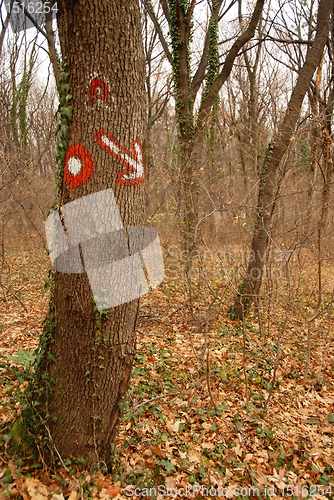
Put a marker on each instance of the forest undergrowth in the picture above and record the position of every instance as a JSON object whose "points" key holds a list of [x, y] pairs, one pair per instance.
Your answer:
{"points": [[202, 409]]}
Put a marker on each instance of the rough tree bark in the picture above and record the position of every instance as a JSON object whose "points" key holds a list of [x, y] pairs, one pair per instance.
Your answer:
{"points": [[250, 288], [102, 47]]}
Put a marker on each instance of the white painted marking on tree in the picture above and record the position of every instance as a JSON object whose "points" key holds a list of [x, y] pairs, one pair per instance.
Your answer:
{"points": [[133, 160], [74, 166], [126, 158]]}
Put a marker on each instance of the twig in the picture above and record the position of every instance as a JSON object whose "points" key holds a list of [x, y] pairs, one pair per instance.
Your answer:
{"points": [[55, 448], [14, 295], [279, 336], [244, 356], [308, 351], [152, 334], [193, 347], [258, 307], [208, 381], [153, 399], [317, 307], [3, 259]]}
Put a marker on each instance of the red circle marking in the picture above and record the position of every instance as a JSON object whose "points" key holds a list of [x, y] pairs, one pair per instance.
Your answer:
{"points": [[94, 86], [78, 151]]}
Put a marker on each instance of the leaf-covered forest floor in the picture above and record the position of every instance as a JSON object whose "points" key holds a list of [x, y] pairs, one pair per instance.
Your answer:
{"points": [[173, 434]]}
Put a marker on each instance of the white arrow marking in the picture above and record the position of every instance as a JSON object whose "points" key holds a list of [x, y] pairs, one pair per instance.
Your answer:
{"points": [[134, 172]]}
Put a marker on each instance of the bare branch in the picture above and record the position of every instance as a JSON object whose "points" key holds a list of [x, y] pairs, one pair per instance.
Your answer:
{"points": [[5, 25], [153, 399], [33, 20], [14, 295], [282, 40], [54, 58], [200, 73], [229, 61], [191, 11], [165, 8], [227, 9], [159, 30]]}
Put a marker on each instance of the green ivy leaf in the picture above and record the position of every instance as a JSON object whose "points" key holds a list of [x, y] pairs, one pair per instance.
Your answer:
{"points": [[324, 479], [167, 465], [66, 111], [61, 157], [64, 87], [8, 438], [7, 477], [64, 129], [23, 357], [51, 356]]}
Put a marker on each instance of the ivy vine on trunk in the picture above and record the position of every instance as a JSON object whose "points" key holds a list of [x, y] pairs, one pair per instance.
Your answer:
{"points": [[85, 358], [210, 74]]}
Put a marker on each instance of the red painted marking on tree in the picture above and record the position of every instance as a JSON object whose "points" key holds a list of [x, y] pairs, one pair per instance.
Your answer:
{"points": [[77, 153], [134, 173], [94, 95]]}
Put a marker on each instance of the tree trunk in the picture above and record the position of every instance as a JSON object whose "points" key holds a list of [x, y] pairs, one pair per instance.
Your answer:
{"points": [[327, 159], [314, 141], [250, 288], [90, 355]]}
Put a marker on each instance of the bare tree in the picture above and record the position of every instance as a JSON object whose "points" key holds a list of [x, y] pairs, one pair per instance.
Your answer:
{"points": [[208, 75], [250, 288]]}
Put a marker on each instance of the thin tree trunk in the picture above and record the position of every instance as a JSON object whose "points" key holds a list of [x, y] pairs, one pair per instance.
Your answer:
{"points": [[253, 114], [327, 160], [251, 286], [314, 140], [327, 170], [5, 26], [190, 190], [253, 99], [54, 58]]}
